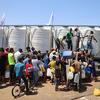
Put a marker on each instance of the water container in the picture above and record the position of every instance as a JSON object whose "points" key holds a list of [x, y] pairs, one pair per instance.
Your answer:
{"points": [[67, 54]]}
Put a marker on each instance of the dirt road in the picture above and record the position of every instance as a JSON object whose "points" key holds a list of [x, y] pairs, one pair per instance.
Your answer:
{"points": [[47, 92]]}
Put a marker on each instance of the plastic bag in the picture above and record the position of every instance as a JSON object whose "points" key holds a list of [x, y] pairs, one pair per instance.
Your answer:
{"points": [[48, 72], [70, 76], [7, 74], [76, 78], [83, 74], [40, 73]]}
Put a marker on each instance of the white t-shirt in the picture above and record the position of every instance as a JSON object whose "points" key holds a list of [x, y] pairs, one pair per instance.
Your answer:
{"points": [[16, 55]]}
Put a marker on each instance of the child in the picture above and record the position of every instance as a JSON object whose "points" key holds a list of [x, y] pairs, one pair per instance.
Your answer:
{"points": [[52, 65], [29, 69]]}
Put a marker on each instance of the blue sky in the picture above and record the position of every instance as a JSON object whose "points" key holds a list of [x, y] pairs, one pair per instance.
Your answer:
{"points": [[67, 12]]}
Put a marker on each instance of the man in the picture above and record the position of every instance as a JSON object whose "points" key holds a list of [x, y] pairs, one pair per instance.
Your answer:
{"points": [[91, 37], [11, 61], [78, 35], [46, 60], [3, 63], [17, 54], [69, 39], [57, 41], [25, 61]]}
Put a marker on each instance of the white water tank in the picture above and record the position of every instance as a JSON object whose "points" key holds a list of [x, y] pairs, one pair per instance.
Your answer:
{"points": [[41, 39], [17, 38], [2, 37], [96, 46]]}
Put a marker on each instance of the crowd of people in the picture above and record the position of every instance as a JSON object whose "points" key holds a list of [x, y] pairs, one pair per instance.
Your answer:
{"points": [[38, 67]]}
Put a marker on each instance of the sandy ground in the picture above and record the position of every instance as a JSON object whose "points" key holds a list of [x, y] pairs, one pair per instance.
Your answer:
{"points": [[47, 92]]}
